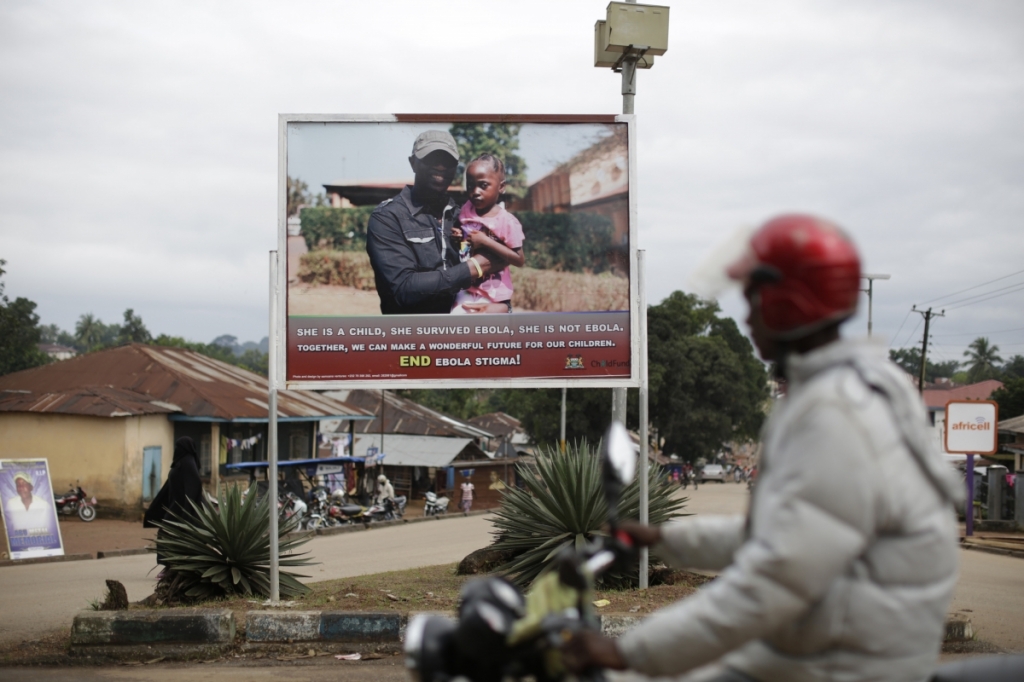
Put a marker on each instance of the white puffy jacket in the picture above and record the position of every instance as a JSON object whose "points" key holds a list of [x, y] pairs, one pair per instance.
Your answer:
{"points": [[845, 566]]}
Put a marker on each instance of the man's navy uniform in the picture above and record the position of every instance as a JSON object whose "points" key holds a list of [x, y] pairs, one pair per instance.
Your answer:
{"points": [[414, 265]]}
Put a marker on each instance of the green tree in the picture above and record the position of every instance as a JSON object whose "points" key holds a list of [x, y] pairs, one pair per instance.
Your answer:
{"points": [[982, 358], [707, 387], [133, 330], [1010, 398], [19, 332], [1014, 368], [300, 196], [499, 139], [253, 359], [51, 333], [92, 334], [910, 360]]}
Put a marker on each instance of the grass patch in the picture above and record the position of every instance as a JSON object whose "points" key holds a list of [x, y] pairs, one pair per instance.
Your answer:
{"points": [[436, 588], [340, 268]]}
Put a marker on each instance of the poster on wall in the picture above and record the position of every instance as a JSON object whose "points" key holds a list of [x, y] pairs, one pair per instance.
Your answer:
{"points": [[29, 512], [457, 250]]}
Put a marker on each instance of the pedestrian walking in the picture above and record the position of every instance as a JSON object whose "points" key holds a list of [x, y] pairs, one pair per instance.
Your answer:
{"points": [[182, 486], [467, 496]]}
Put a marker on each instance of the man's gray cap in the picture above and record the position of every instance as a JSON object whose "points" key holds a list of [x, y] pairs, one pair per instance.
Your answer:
{"points": [[432, 141]]}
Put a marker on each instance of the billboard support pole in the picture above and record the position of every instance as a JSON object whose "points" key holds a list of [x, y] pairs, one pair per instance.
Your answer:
{"points": [[275, 587], [641, 278], [561, 424], [969, 508]]}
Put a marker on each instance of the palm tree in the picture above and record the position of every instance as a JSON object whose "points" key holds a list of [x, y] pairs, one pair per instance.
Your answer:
{"points": [[982, 360], [89, 331]]}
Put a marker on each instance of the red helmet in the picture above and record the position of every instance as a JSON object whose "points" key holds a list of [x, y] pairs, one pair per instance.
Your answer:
{"points": [[807, 273]]}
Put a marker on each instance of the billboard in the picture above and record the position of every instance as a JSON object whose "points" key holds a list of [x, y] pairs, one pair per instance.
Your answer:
{"points": [[29, 512], [457, 251], [972, 427]]}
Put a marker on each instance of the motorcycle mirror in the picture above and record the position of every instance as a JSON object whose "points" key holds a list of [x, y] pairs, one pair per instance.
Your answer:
{"points": [[617, 457]]}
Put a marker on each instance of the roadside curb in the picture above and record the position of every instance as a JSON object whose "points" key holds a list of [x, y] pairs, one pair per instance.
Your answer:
{"points": [[46, 559], [358, 627], [357, 527], [992, 550], [112, 553], [170, 632]]}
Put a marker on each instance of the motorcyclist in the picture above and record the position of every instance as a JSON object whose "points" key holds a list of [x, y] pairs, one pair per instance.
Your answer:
{"points": [[829, 577], [385, 491]]}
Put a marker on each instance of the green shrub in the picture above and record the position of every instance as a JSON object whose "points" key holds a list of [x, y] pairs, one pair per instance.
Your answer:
{"points": [[563, 504], [225, 551], [341, 229]]}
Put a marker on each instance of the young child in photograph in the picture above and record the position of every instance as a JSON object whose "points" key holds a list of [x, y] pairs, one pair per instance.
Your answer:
{"points": [[486, 227]]}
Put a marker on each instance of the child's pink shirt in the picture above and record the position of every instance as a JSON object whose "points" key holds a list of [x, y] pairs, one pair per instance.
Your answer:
{"points": [[506, 229]]}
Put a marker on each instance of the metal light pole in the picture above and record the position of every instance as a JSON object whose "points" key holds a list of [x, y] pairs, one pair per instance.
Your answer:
{"points": [[870, 290], [275, 583], [641, 265]]}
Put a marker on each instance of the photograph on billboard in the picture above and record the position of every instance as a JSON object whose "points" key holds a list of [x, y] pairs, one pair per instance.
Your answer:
{"points": [[462, 250], [29, 512]]}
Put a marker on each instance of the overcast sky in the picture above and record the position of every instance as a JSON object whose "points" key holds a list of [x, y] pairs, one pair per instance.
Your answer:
{"points": [[138, 141]]}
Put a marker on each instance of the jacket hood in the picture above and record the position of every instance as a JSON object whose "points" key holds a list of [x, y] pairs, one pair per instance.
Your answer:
{"points": [[870, 361]]}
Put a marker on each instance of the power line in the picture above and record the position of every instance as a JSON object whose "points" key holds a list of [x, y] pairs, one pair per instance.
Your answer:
{"points": [[1018, 287], [911, 335], [991, 331], [976, 286], [896, 335]]}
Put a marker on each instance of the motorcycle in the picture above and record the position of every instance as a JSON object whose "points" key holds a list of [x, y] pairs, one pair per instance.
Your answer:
{"points": [[501, 633], [74, 500], [290, 506], [435, 505], [389, 510]]}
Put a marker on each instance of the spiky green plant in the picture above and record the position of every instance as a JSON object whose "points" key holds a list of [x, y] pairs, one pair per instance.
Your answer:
{"points": [[225, 551], [563, 504]]}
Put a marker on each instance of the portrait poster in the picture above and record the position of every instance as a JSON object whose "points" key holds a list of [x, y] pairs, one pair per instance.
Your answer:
{"points": [[452, 251], [29, 512]]}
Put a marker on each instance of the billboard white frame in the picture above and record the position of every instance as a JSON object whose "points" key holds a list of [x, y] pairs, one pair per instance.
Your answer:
{"points": [[278, 336]]}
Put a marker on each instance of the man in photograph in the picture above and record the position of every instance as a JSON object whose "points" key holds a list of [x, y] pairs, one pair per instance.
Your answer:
{"points": [[416, 269], [27, 510]]}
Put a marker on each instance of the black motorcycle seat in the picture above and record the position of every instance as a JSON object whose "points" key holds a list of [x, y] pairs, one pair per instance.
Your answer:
{"points": [[350, 509]]}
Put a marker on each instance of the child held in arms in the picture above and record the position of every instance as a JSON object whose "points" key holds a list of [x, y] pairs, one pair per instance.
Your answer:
{"points": [[485, 225]]}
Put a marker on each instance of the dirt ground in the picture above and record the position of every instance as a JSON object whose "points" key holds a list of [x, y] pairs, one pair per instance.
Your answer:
{"points": [[101, 535], [323, 299]]}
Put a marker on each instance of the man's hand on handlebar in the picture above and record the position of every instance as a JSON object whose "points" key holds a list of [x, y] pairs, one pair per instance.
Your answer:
{"points": [[588, 649], [643, 536]]}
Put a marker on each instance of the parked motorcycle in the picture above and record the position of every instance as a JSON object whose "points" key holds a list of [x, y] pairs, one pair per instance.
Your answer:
{"points": [[435, 505], [388, 510], [502, 634], [289, 506], [75, 500]]}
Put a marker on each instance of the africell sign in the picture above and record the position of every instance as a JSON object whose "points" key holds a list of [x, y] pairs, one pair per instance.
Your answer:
{"points": [[971, 427]]}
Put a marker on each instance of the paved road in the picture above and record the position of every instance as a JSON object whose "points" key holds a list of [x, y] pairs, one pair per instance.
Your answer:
{"points": [[38, 598]]}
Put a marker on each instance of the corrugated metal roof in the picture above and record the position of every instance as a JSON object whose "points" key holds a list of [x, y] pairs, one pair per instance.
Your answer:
{"points": [[936, 398], [96, 401], [201, 386], [419, 451], [405, 416], [1012, 425]]}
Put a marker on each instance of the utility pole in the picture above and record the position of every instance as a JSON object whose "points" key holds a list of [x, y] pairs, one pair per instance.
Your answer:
{"points": [[928, 315]]}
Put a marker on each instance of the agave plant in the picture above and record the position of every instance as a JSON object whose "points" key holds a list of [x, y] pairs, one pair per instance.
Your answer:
{"points": [[225, 551], [563, 504]]}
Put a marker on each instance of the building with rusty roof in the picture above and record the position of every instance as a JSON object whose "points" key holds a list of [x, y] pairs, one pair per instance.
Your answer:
{"points": [[109, 419]]}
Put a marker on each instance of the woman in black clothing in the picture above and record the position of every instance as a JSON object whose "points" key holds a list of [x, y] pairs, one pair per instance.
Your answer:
{"points": [[183, 484]]}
